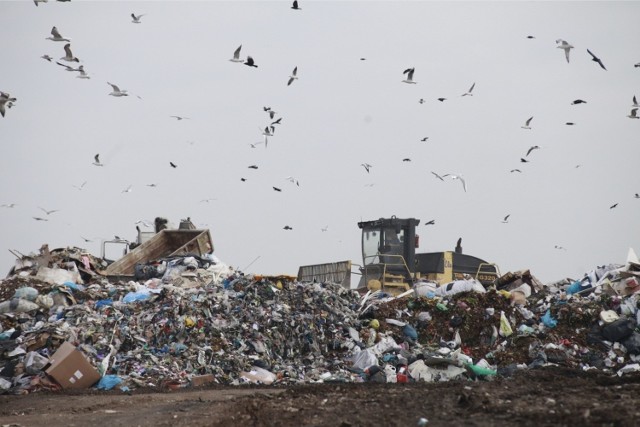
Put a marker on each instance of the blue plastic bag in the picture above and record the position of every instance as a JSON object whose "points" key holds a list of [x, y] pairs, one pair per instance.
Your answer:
{"points": [[108, 382], [549, 321]]}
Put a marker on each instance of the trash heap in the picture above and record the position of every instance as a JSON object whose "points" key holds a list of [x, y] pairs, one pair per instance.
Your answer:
{"points": [[189, 321]]}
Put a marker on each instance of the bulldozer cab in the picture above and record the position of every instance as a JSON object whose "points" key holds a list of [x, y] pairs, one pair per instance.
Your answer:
{"points": [[388, 253]]}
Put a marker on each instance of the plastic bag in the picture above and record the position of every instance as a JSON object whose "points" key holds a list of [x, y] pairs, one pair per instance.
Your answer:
{"points": [[549, 321], [108, 382], [505, 326], [364, 359]]}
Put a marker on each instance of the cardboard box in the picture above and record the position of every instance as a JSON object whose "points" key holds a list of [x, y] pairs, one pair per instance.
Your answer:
{"points": [[71, 369], [202, 380]]}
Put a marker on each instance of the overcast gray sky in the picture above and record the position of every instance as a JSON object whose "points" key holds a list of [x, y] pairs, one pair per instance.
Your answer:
{"points": [[340, 113]]}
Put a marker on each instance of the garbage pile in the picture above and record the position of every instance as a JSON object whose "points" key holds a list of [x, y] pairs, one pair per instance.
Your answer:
{"points": [[192, 320]]}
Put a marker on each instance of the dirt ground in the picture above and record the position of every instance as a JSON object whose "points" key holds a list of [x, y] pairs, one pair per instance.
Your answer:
{"points": [[547, 396]]}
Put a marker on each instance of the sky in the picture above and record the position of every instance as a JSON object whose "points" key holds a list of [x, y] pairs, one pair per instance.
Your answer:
{"points": [[349, 106]]}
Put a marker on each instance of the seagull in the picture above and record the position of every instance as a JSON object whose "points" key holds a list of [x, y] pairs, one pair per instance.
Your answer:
{"points": [[68, 68], [243, 179], [432, 222], [210, 199], [293, 180], [47, 57], [424, 139], [530, 37], [56, 37], [366, 166], [143, 222], [96, 161], [515, 170], [268, 131], [438, 176], [116, 91], [37, 218], [286, 227], [253, 167], [526, 124], [565, 46], [277, 189], [506, 219], [613, 206], [253, 145], [128, 189], [535, 147], [39, 1], [5, 99], [409, 73], [236, 55], [421, 101], [249, 62], [86, 240], [559, 247], [406, 159], [277, 122], [83, 74], [173, 165], [596, 59], [442, 99], [468, 93], [136, 19], [569, 123], [578, 101], [178, 118], [295, 5], [523, 160], [68, 55], [459, 177], [632, 114], [637, 196], [48, 212], [293, 76], [637, 65], [8, 205], [81, 186], [152, 185], [635, 102], [325, 228]]}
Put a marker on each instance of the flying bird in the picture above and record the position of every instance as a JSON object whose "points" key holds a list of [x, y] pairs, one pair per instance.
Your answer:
{"points": [[460, 178], [409, 78], [286, 227], [86, 240], [96, 160], [8, 205], [596, 59], [635, 102], [7, 101], [523, 160], [295, 5], [136, 19], [68, 55], [37, 218], [39, 1], [325, 228], [506, 219], [83, 74], [48, 212], [564, 46], [569, 123], [468, 93], [47, 57], [67, 67], [276, 122], [277, 189], [81, 186], [366, 166], [515, 170], [633, 114], [442, 99], [250, 62], [293, 180], [421, 101], [210, 199], [526, 124], [424, 139], [406, 159], [253, 167], [530, 37], [559, 247], [243, 179], [236, 55], [293, 76], [637, 196], [613, 206], [128, 189], [56, 37], [535, 147], [116, 91], [578, 101], [178, 118], [432, 222], [173, 165]]}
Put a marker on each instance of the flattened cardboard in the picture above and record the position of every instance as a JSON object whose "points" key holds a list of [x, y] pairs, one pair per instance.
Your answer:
{"points": [[71, 369]]}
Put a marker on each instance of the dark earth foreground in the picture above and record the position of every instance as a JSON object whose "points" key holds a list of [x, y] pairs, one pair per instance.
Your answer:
{"points": [[542, 397]]}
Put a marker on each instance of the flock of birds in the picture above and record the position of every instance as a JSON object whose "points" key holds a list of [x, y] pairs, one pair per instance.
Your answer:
{"points": [[71, 63]]}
